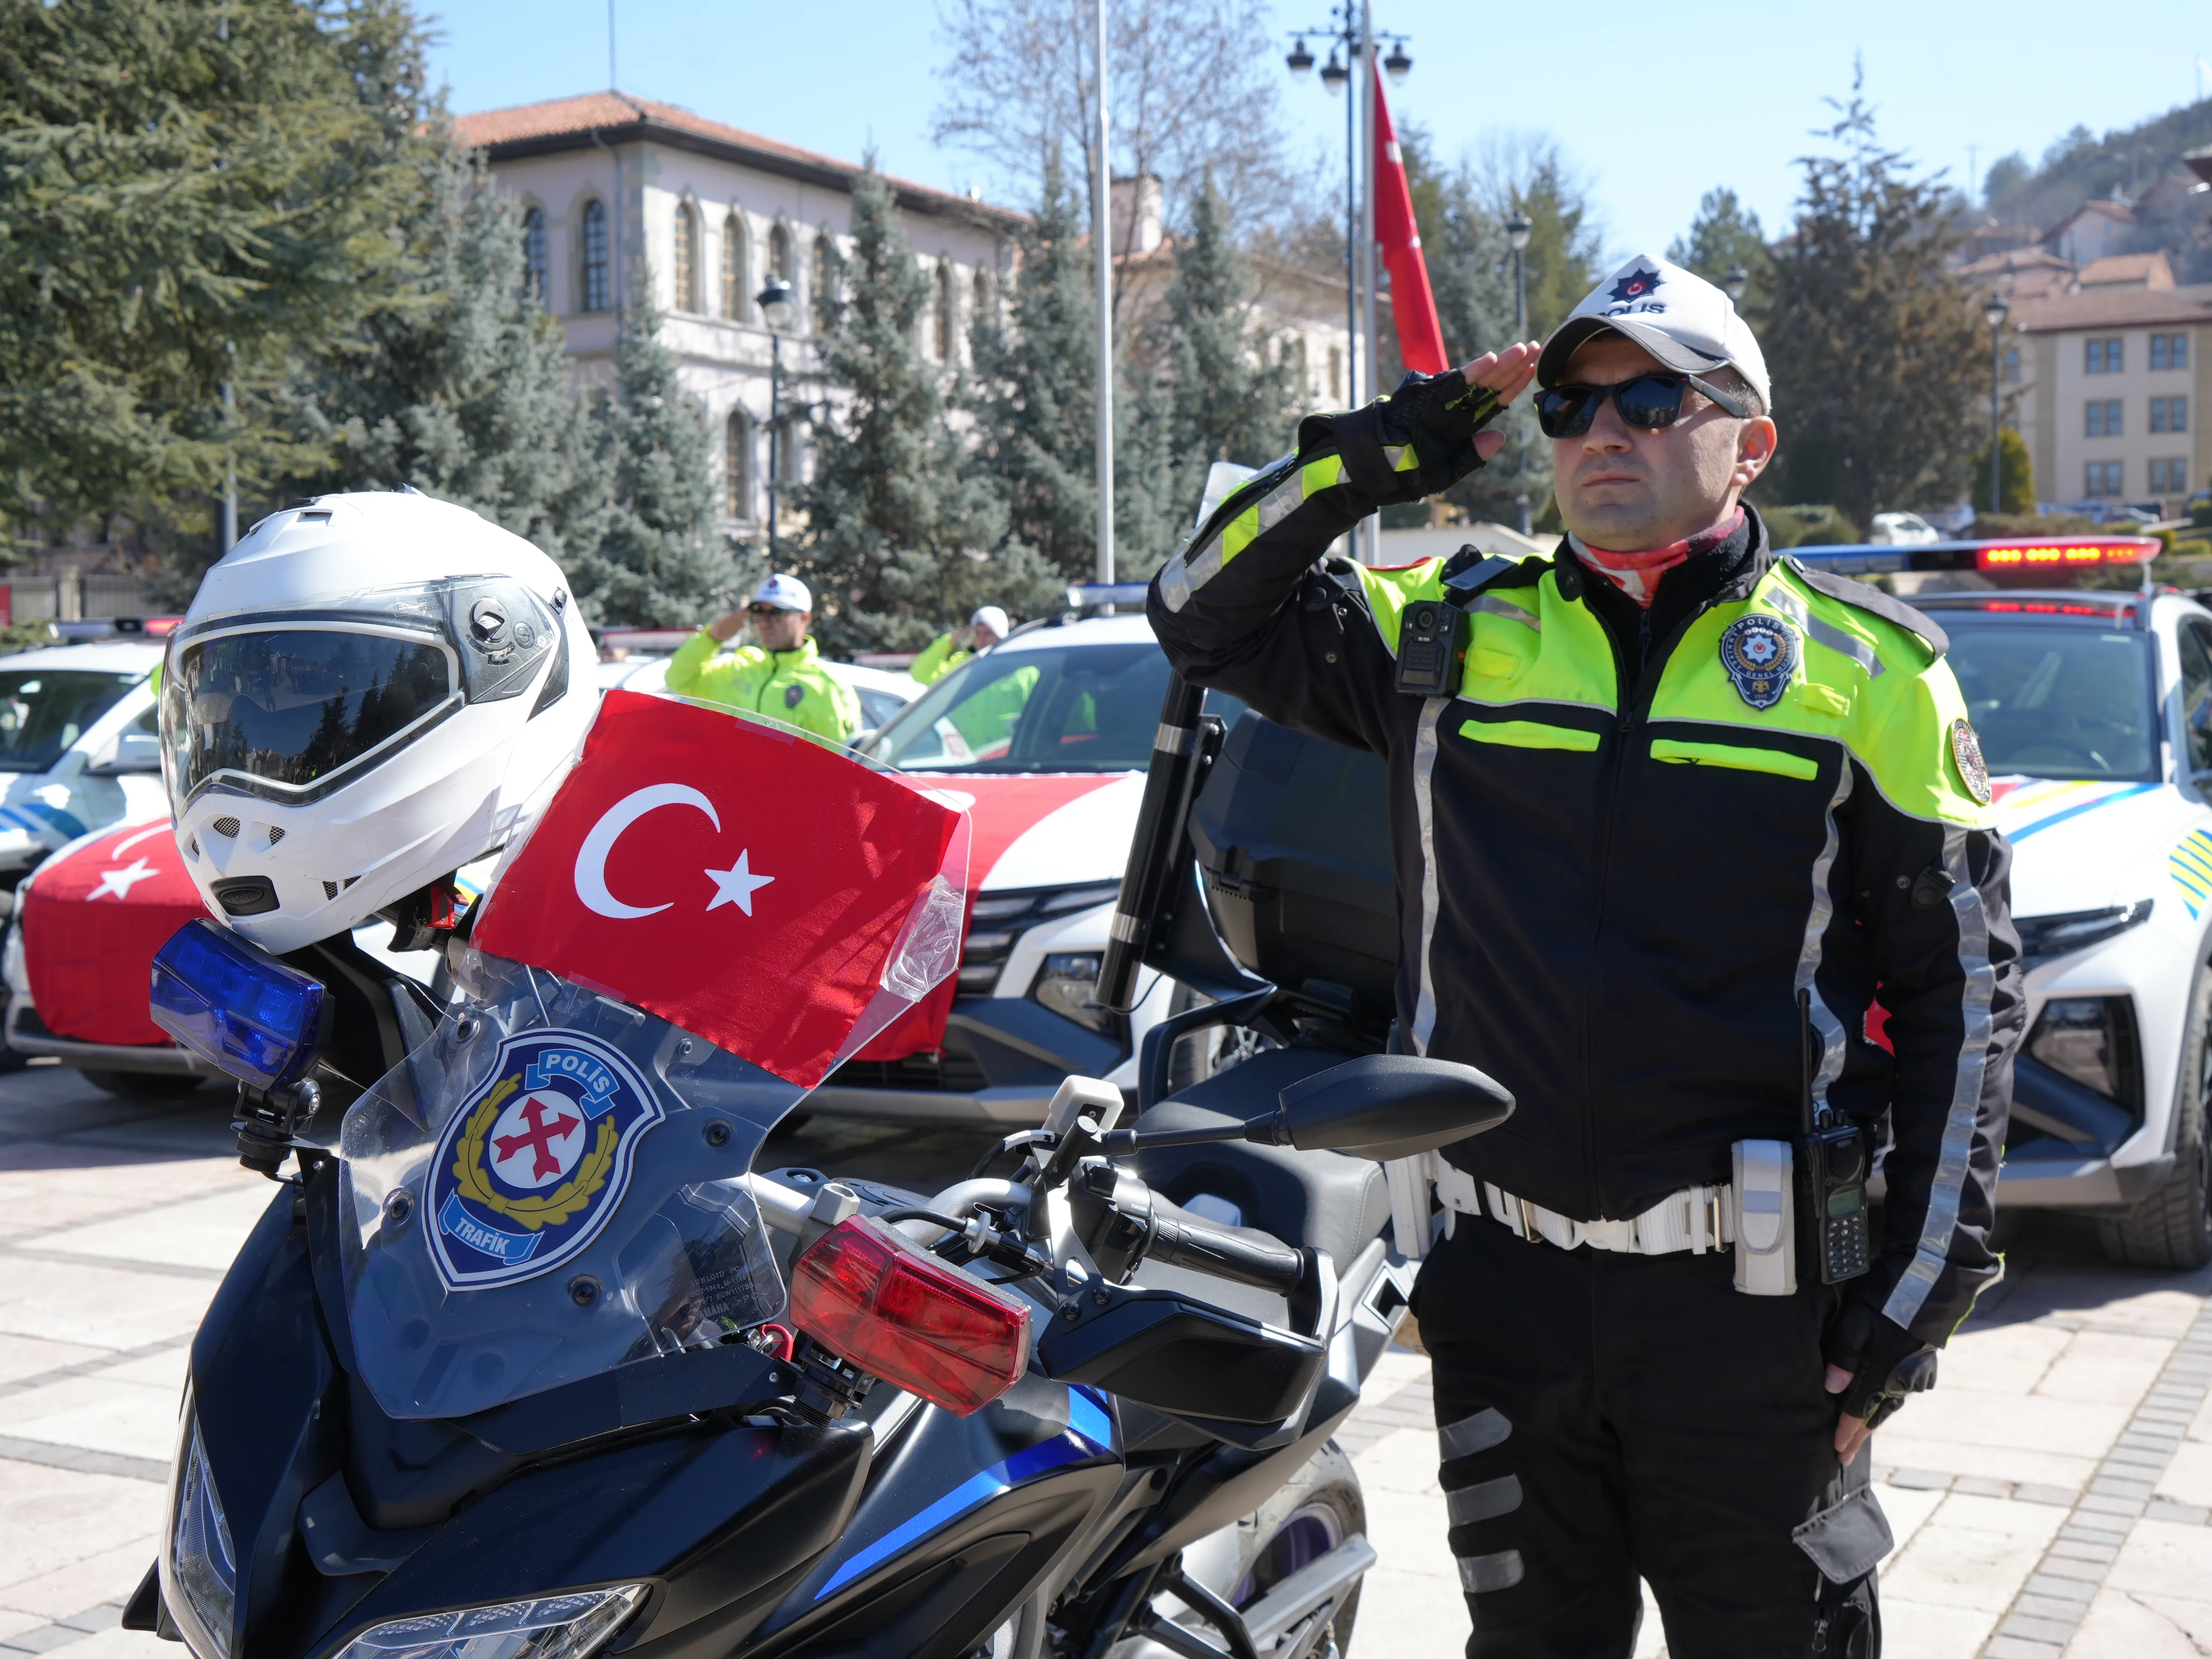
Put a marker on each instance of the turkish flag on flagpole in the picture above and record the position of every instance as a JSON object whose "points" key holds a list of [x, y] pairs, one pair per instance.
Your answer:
{"points": [[1420, 333], [740, 881]]}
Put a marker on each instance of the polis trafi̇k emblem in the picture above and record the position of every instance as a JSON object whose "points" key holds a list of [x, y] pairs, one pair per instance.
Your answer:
{"points": [[534, 1162], [1759, 652]]}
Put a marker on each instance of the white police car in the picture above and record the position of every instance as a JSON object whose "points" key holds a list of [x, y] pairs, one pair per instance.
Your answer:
{"points": [[79, 746], [2094, 712]]}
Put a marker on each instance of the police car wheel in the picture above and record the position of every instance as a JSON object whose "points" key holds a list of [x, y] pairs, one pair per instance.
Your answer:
{"points": [[143, 1085], [2173, 1227]]}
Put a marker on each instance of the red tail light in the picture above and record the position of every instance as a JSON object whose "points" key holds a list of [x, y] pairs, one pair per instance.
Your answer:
{"points": [[869, 1296]]}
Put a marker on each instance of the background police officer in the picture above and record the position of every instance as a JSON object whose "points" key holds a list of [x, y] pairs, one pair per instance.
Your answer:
{"points": [[1660, 835], [783, 677], [948, 651]]}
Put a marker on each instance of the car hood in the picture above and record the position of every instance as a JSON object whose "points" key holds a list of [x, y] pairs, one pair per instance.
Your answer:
{"points": [[1051, 829], [2081, 845]]}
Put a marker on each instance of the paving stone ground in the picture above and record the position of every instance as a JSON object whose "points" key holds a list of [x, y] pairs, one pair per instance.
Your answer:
{"points": [[2053, 1496]]}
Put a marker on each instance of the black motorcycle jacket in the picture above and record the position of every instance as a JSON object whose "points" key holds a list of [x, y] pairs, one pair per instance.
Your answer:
{"points": [[1613, 885]]}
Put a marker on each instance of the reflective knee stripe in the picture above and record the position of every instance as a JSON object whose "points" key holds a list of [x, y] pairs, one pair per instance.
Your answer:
{"points": [[1824, 633], [1425, 766], [1470, 1435], [1933, 1254], [1480, 1573], [1817, 921], [1484, 1500]]}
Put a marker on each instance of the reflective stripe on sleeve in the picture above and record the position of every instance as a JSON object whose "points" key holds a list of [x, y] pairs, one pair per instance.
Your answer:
{"points": [[1285, 488], [1933, 1254], [1817, 919]]}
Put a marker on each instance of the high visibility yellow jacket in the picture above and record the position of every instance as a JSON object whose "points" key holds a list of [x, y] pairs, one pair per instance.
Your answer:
{"points": [[790, 686], [1620, 862], [986, 717], [940, 659]]}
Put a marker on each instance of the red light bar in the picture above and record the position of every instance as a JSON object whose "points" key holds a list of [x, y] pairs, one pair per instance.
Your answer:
{"points": [[867, 1294], [2055, 557]]}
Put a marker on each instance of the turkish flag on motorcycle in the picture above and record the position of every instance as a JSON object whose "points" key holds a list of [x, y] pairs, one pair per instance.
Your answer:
{"points": [[738, 881]]}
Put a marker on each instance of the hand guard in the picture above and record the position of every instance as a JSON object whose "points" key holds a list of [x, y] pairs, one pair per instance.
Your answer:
{"points": [[1437, 415], [1886, 1363]]}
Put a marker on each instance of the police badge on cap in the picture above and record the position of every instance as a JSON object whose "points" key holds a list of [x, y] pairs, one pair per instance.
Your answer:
{"points": [[1759, 653]]}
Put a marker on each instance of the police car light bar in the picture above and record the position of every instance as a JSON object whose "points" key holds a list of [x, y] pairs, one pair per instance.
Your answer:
{"points": [[1082, 596], [2038, 557]]}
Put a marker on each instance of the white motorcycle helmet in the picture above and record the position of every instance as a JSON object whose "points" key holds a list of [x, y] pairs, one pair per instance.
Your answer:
{"points": [[367, 692]]}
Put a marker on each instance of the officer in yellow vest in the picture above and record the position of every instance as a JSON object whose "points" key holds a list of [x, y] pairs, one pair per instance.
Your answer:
{"points": [[783, 677], [948, 651], [1669, 811]]}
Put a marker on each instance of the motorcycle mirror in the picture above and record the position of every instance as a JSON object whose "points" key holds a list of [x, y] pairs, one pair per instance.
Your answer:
{"points": [[1384, 1106]]}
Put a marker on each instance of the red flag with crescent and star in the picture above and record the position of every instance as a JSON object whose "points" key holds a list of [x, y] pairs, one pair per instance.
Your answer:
{"points": [[738, 879], [1412, 304], [93, 916]]}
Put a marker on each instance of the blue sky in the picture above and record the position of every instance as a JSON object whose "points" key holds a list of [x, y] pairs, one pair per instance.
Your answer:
{"points": [[1655, 102]]}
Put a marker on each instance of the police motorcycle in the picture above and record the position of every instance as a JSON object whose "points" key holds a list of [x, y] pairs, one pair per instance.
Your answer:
{"points": [[1076, 1409]]}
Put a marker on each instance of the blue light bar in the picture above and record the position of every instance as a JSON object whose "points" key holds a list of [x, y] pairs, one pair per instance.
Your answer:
{"points": [[236, 1006], [1084, 595]]}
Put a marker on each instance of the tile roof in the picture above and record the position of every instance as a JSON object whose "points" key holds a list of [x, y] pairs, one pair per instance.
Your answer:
{"points": [[2151, 270], [564, 123], [2120, 307]]}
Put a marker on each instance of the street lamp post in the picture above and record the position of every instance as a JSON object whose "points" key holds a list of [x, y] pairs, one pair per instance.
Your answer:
{"points": [[1518, 229], [1353, 41], [1994, 314], [776, 303]]}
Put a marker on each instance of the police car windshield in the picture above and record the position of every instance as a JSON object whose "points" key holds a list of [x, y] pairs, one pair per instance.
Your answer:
{"points": [[2057, 699], [44, 711], [1074, 708]]}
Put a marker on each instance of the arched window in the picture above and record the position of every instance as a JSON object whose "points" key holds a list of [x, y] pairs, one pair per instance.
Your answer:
{"points": [[595, 257], [824, 296], [737, 464], [734, 298], [687, 258], [533, 254], [985, 310], [946, 351], [779, 252]]}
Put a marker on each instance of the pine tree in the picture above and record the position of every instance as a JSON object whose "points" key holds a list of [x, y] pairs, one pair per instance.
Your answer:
{"points": [[900, 529], [1471, 272], [1880, 354], [1231, 399], [1725, 234], [198, 192], [1034, 397], [657, 562], [460, 387]]}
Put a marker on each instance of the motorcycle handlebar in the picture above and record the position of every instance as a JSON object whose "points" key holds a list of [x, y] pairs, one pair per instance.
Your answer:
{"points": [[1242, 1254]]}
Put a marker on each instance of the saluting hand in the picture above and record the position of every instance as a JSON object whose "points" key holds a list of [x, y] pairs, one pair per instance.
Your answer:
{"points": [[1507, 373], [725, 628]]}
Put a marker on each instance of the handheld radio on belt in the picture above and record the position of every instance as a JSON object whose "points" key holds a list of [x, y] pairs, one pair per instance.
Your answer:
{"points": [[1831, 1153]]}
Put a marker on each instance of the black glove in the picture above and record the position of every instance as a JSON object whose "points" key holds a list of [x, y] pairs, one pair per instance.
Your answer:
{"points": [[1886, 1363], [1438, 415]]}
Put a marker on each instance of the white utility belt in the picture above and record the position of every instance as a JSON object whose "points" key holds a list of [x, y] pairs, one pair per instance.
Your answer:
{"points": [[1752, 1215]]}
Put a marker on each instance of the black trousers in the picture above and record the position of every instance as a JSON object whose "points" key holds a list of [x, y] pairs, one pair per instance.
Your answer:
{"points": [[1603, 1417]]}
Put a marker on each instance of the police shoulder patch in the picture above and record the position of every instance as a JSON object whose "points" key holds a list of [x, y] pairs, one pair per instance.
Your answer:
{"points": [[537, 1159], [1966, 755], [794, 695], [1759, 652]]}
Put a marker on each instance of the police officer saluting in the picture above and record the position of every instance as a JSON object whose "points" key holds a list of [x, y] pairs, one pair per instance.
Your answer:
{"points": [[1668, 811], [782, 677]]}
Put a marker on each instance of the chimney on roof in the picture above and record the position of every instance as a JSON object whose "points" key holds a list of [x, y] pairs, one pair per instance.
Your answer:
{"points": [[1135, 205]]}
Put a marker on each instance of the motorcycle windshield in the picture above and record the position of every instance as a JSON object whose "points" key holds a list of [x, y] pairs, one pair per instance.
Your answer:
{"points": [[552, 1185]]}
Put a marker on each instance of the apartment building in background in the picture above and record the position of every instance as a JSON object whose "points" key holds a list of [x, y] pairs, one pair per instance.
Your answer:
{"points": [[2113, 389]]}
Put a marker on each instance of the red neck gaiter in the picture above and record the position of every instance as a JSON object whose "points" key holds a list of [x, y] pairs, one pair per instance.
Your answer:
{"points": [[1638, 575]]}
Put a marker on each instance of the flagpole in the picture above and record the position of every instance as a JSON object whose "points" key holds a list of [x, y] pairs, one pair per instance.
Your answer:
{"points": [[1103, 237], [1370, 355]]}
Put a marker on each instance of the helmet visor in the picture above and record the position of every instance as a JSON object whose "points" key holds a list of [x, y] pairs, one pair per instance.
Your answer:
{"points": [[288, 713]]}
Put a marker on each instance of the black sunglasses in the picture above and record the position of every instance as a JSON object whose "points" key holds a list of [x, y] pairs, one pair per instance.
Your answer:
{"points": [[763, 610], [1648, 403]]}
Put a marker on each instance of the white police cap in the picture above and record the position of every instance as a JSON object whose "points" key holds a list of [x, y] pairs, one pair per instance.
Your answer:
{"points": [[1679, 317], [784, 592]]}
